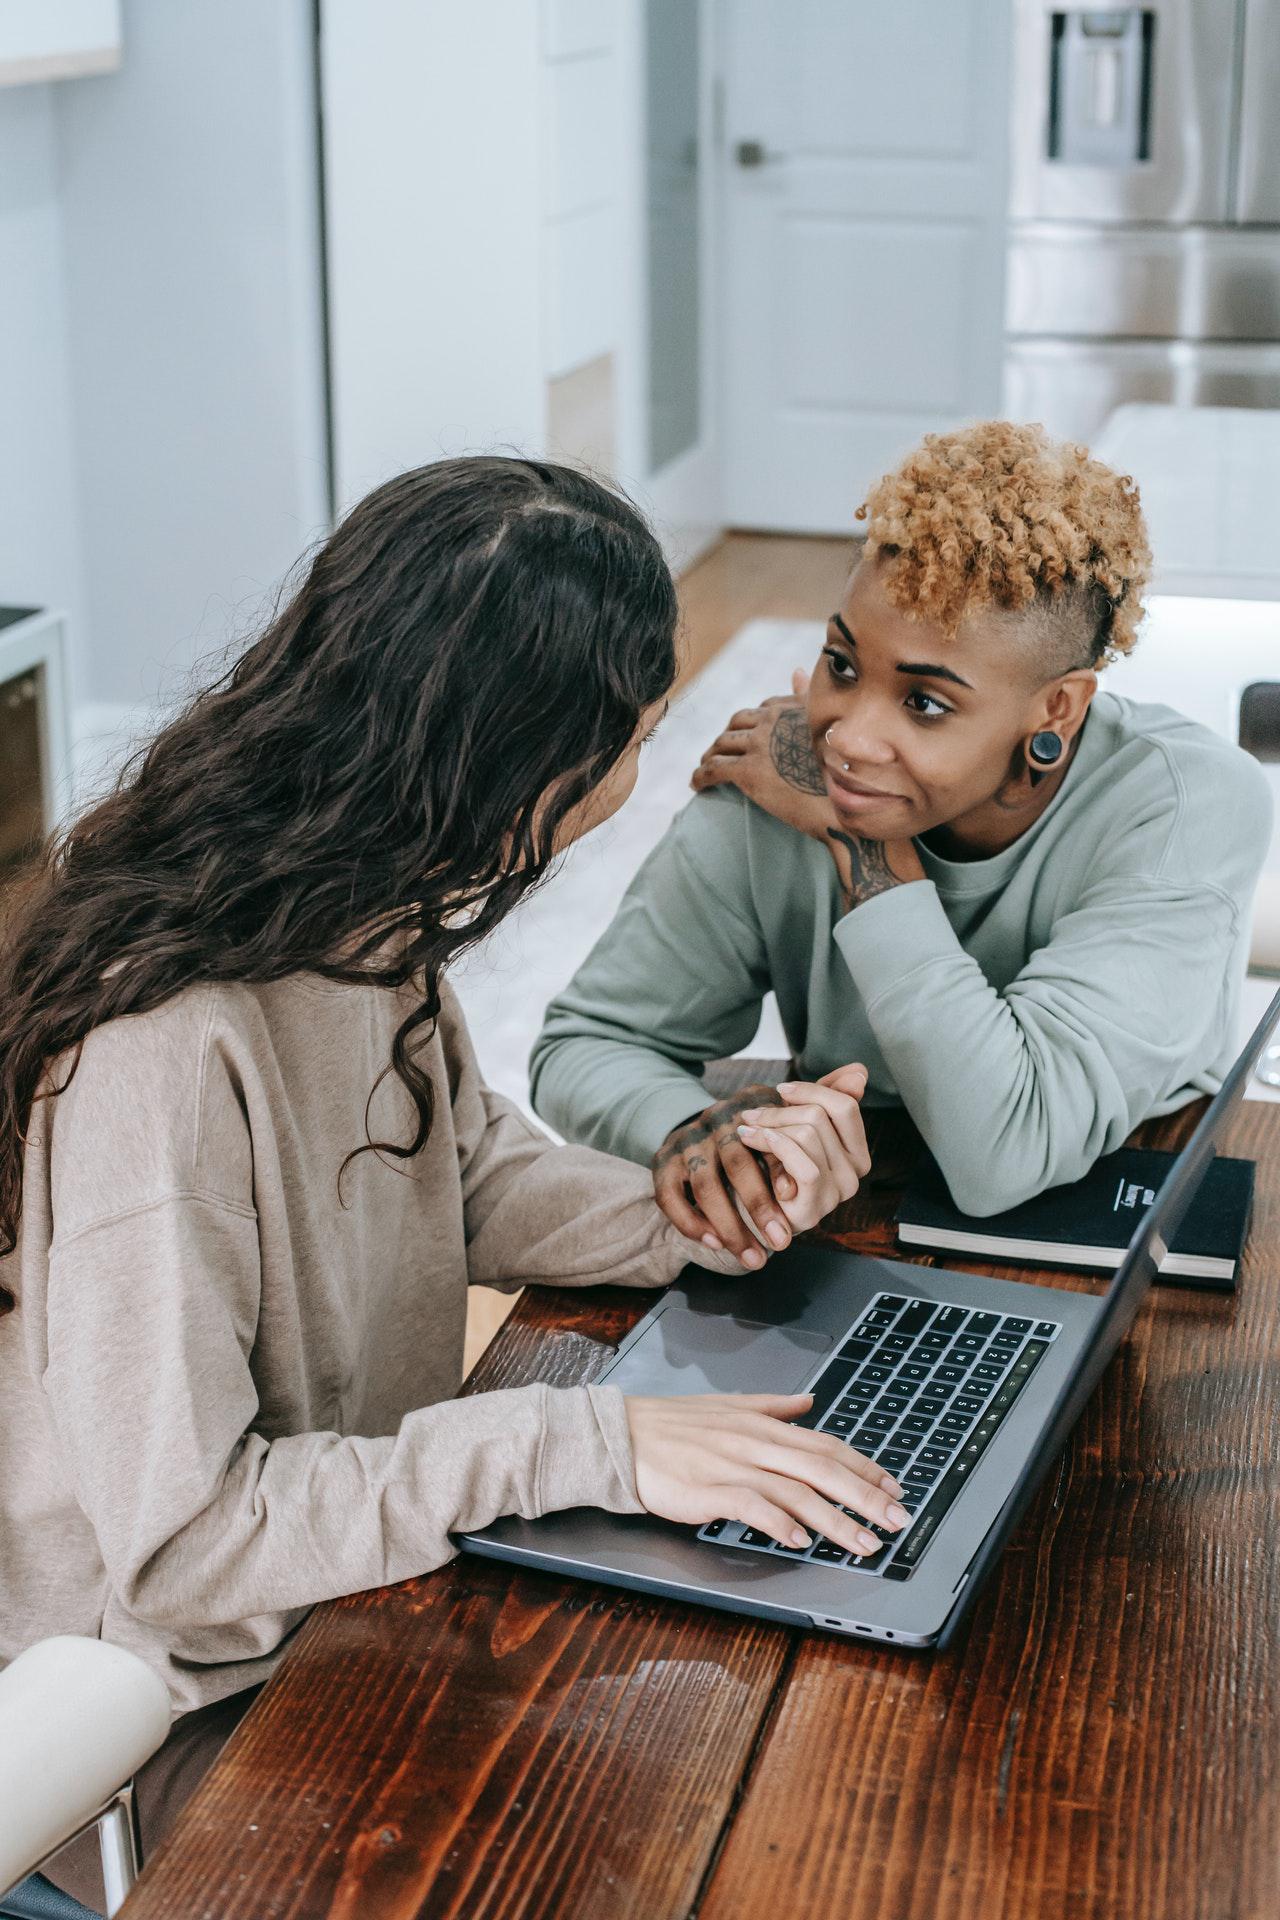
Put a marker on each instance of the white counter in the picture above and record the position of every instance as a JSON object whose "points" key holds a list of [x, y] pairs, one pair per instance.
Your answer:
{"points": [[1210, 482]]}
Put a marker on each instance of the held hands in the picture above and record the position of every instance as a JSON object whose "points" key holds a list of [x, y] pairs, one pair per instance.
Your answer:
{"points": [[787, 1154], [736, 1457]]}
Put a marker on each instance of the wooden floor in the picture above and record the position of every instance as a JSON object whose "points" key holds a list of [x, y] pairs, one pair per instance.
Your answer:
{"points": [[757, 576], [748, 576]]}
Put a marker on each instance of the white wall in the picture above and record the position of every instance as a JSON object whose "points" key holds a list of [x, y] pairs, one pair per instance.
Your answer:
{"points": [[162, 456], [191, 239], [432, 156], [581, 92], [480, 238], [39, 536], [51, 39]]}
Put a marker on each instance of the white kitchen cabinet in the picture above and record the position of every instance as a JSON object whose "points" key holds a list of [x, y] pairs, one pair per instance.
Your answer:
{"points": [[57, 39]]}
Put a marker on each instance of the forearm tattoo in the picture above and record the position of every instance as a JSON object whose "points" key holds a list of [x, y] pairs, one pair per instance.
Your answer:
{"points": [[791, 750], [870, 870], [716, 1126]]}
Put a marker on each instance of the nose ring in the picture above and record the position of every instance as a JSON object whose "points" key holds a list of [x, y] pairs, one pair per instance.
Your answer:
{"points": [[844, 764]]}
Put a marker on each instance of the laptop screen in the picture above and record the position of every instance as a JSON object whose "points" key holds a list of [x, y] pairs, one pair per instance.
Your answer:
{"points": [[1157, 1230], [1152, 1237], [1151, 1240]]}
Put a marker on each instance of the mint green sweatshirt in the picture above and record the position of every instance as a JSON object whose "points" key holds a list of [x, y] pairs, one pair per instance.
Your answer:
{"points": [[1028, 1010]]}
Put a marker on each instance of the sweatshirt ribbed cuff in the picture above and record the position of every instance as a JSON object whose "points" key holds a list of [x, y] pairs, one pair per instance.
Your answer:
{"points": [[657, 1111], [685, 1251], [586, 1459], [890, 935]]}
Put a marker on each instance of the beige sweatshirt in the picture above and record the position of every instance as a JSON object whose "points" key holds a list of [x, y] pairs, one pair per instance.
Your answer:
{"points": [[226, 1391]]}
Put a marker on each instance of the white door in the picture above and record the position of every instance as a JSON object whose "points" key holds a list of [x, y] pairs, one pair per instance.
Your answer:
{"points": [[864, 214]]}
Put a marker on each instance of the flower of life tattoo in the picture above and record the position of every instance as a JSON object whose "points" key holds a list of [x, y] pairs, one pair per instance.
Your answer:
{"points": [[791, 751]]}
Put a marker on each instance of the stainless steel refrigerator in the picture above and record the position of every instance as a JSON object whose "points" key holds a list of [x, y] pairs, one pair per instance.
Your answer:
{"points": [[1144, 234]]}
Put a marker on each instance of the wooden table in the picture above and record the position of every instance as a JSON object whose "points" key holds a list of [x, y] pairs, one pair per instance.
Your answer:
{"points": [[1103, 1739]]}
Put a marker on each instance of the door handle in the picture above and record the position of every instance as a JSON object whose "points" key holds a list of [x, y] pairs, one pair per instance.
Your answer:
{"points": [[754, 153]]}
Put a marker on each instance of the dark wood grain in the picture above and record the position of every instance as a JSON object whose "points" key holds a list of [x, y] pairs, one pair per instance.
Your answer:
{"points": [[483, 1742], [1106, 1740], [1102, 1741]]}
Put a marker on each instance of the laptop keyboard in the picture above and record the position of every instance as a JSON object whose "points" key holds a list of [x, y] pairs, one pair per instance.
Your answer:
{"points": [[922, 1388]]}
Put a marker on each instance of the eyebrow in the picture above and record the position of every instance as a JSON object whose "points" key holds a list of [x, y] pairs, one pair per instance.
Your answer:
{"points": [[921, 669]]}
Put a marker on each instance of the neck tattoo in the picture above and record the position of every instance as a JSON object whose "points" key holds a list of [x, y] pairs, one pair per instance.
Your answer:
{"points": [[870, 872]]}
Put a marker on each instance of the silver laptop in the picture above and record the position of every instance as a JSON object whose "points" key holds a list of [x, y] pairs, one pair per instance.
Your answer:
{"points": [[965, 1388]]}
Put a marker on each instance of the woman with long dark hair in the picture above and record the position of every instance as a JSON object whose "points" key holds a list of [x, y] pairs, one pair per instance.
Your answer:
{"points": [[247, 1162]]}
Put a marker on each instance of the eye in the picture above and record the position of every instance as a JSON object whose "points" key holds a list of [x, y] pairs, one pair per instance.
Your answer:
{"points": [[839, 665], [929, 708]]}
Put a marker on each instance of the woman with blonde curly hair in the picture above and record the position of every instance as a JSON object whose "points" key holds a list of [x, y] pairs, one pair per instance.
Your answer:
{"points": [[1022, 902]]}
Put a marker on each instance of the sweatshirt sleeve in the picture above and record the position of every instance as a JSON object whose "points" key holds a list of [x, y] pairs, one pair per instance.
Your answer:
{"points": [[538, 1213], [216, 1527], [676, 980], [226, 1500], [1023, 1088]]}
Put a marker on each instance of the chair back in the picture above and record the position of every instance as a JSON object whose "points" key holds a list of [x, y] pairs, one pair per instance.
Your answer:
{"points": [[78, 1717]]}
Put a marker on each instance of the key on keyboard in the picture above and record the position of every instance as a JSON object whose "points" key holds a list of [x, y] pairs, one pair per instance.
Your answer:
{"points": [[957, 1372]]}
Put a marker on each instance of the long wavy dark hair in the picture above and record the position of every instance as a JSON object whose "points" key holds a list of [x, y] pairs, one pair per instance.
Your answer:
{"points": [[372, 786]]}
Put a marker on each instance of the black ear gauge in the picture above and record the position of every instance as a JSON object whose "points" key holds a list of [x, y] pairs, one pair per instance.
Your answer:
{"points": [[1044, 750]]}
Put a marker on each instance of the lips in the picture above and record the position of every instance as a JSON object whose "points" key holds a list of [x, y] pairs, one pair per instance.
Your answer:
{"points": [[854, 790]]}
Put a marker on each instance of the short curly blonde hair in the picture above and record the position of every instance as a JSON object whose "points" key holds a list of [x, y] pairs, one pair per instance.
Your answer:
{"points": [[999, 515]]}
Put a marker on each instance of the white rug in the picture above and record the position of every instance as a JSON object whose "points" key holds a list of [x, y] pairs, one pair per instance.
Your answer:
{"points": [[506, 984]]}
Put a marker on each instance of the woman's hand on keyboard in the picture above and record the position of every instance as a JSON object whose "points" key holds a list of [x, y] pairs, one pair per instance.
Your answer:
{"points": [[736, 1456]]}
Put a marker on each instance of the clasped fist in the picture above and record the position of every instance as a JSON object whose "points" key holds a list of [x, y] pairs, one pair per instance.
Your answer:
{"points": [[785, 1155]]}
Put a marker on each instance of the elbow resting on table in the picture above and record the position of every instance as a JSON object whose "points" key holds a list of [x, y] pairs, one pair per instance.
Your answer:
{"points": [[539, 1084], [981, 1199], [166, 1602], [548, 1093], [984, 1188]]}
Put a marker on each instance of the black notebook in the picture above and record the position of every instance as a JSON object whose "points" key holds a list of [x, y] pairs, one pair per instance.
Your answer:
{"points": [[1091, 1222]]}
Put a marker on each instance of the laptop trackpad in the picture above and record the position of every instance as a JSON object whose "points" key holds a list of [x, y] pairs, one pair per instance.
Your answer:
{"points": [[686, 1352]]}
